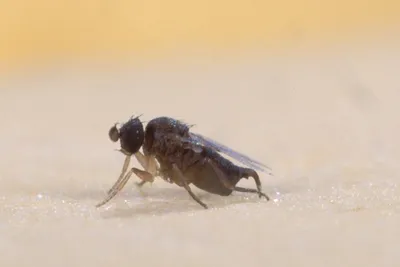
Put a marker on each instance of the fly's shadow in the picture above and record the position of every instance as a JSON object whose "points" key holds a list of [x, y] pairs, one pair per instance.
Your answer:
{"points": [[169, 201]]}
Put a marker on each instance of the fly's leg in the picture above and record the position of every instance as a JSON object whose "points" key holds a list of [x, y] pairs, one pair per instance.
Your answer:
{"points": [[116, 188], [149, 164], [144, 175], [250, 190], [245, 173], [182, 179], [124, 169]]}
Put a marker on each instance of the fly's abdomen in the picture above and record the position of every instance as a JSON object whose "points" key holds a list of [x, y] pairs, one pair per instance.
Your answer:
{"points": [[231, 171]]}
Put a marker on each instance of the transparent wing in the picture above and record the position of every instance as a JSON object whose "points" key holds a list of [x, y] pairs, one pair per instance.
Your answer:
{"points": [[206, 141]]}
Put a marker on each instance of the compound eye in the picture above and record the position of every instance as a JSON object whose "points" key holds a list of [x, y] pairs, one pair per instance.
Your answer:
{"points": [[113, 133]]}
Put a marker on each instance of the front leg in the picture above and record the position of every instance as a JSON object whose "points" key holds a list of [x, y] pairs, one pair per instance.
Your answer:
{"points": [[145, 176], [149, 164], [123, 171]]}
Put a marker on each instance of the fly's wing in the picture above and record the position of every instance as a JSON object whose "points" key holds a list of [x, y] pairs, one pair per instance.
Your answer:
{"points": [[206, 141]]}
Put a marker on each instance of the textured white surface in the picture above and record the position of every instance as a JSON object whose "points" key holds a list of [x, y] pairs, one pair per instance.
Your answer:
{"points": [[326, 123]]}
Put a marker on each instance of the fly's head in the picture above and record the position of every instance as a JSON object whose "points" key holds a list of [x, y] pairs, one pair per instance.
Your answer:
{"points": [[130, 135]]}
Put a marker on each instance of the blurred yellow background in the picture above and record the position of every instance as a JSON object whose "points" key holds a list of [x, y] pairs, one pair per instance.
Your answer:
{"points": [[48, 29]]}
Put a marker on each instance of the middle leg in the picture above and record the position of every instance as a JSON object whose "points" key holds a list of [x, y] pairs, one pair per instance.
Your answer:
{"points": [[182, 179]]}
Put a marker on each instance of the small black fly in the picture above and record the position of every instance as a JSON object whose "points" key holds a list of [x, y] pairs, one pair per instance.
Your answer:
{"points": [[177, 155]]}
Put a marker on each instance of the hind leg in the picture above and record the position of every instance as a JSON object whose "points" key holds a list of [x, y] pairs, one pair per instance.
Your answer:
{"points": [[244, 173]]}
